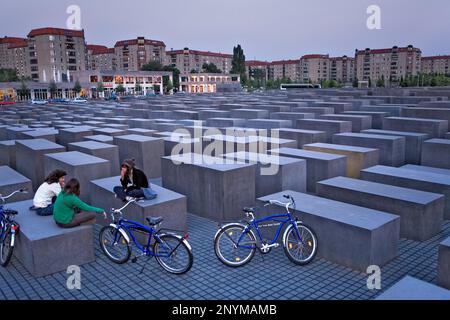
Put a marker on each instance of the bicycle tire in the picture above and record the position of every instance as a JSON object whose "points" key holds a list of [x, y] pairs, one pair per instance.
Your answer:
{"points": [[5, 257], [311, 241], [121, 239], [238, 262], [183, 244]]}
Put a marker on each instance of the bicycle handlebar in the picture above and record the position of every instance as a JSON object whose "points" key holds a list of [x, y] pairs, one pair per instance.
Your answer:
{"points": [[284, 204], [4, 198], [119, 211]]}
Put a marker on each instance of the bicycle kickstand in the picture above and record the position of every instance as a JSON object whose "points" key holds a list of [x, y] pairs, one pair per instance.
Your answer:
{"points": [[145, 263]]}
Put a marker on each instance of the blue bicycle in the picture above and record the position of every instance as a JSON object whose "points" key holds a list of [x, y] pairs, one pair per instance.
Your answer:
{"points": [[9, 229], [235, 244], [172, 251]]}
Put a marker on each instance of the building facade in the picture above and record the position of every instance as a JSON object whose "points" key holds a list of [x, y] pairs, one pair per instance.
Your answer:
{"points": [[101, 58], [388, 64], [436, 65], [284, 69], [55, 53], [14, 55], [315, 68], [134, 82], [132, 55], [342, 69], [187, 60], [254, 67], [209, 83]]}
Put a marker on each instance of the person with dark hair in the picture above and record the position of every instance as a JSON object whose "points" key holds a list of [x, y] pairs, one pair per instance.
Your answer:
{"points": [[69, 211], [134, 183], [46, 195]]}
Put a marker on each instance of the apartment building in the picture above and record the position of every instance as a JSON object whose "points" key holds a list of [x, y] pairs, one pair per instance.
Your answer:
{"points": [[14, 55], [132, 55], [254, 66], [342, 69], [187, 60], [101, 58], [54, 53], [288, 69], [315, 68], [436, 65], [389, 64]]}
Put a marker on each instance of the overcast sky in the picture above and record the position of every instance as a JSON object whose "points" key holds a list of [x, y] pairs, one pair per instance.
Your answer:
{"points": [[266, 29]]}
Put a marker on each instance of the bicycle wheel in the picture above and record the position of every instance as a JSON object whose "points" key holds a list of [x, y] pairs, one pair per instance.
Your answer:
{"points": [[114, 245], [227, 249], [300, 251], [6, 250], [173, 254]]}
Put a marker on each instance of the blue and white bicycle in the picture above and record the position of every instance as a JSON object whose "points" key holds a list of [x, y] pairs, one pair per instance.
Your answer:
{"points": [[171, 250], [235, 243], [9, 229]]}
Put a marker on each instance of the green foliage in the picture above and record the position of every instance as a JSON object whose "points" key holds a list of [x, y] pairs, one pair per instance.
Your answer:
{"points": [[100, 87], [23, 91], [53, 88], [238, 63], [138, 87], [77, 87], [120, 89], [8, 75], [426, 80], [157, 66], [210, 68]]}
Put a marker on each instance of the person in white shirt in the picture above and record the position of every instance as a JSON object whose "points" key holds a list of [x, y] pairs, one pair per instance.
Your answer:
{"points": [[46, 195]]}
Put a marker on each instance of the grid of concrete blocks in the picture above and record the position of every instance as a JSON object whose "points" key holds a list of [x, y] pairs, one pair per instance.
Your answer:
{"points": [[369, 170]]}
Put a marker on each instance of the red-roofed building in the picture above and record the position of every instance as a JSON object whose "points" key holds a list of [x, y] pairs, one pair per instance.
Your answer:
{"points": [[13, 55], [101, 58], [315, 68], [257, 69], [132, 54], [187, 60], [284, 69], [54, 53], [388, 64], [436, 65], [342, 69]]}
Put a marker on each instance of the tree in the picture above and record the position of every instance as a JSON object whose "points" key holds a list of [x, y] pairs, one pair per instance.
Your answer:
{"points": [[120, 89], [356, 83], [238, 63], [53, 88], [100, 87], [23, 91], [210, 68], [380, 82], [77, 87], [8, 75], [193, 71], [152, 66], [169, 86], [138, 87], [157, 66]]}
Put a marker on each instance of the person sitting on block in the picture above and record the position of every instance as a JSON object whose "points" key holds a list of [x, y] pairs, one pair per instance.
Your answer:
{"points": [[69, 211], [134, 183], [48, 191]]}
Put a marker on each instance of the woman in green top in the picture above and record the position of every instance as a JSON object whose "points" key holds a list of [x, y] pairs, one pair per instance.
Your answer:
{"points": [[69, 211]]}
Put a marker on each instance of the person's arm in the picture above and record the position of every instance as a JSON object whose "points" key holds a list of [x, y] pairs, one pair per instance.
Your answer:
{"points": [[56, 188], [83, 206]]}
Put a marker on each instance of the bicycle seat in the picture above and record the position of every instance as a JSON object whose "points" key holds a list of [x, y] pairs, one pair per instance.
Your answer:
{"points": [[153, 221], [9, 212], [250, 210]]}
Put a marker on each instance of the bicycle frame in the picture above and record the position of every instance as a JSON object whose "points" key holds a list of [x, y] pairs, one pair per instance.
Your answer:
{"points": [[129, 226], [283, 219]]}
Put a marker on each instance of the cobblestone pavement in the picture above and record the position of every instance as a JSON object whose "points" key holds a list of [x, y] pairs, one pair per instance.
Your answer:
{"points": [[273, 277]]}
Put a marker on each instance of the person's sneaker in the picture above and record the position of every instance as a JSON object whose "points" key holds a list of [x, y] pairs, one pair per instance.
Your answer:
{"points": [[129, 199]]}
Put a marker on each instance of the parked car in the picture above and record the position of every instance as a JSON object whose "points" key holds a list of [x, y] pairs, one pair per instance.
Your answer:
{"points": [[39, 101], [79, 100]]}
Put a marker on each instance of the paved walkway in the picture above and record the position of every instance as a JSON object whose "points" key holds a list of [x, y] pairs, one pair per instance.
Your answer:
{"points": [[275, 277]]}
